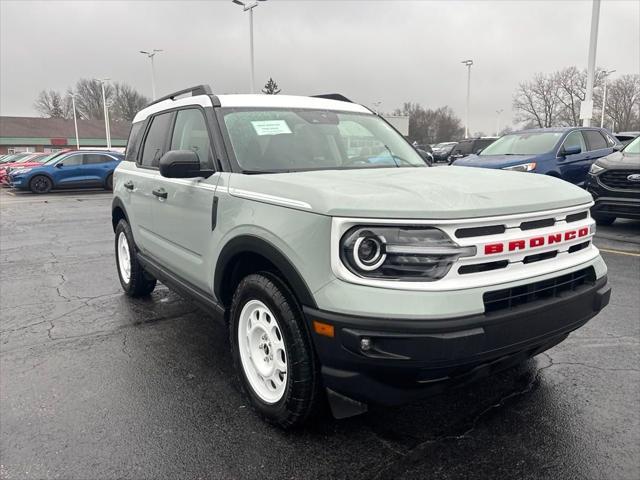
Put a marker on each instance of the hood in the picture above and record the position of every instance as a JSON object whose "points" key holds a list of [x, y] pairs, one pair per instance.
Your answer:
{"points": [[494, 161], [621, 160], [418, 193], [17, 165]]}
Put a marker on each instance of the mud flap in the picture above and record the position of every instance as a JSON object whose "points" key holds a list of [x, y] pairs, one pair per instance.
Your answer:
{"points": [[344, 407]]}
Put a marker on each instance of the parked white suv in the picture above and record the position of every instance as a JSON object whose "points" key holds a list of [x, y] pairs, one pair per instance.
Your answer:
{"points": [[341, 262]]}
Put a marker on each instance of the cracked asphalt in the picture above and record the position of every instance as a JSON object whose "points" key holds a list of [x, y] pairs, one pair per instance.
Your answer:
{"points": [[96, 385]]}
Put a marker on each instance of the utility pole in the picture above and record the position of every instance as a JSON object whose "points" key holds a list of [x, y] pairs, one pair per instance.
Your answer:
{"points": [[107, 130], [499, 111], [604, 95], [249, 7], [586, 109], [150, 55], [468, 64], [75, 119]]}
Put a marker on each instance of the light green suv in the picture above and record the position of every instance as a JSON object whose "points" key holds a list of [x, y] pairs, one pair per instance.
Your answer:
{"points": [[344, 267]]}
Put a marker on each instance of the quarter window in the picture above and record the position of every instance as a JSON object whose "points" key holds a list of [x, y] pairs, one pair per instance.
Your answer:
{"points": [[190, 133], [595, 140], [154, 144], [133, 145]]}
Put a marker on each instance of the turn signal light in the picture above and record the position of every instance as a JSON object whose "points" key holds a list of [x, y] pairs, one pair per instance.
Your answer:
{"points": [[323, 329]]}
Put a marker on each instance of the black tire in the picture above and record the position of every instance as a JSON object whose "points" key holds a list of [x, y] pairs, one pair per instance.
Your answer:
{"points": [[301, 396], [40, 184], [108, 183], [140, 283], [604, 220]]}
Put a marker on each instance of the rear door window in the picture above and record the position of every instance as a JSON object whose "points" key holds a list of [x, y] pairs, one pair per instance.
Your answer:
{"points": [[155, 143], [133, 144], [92, 158], [595, 140]]}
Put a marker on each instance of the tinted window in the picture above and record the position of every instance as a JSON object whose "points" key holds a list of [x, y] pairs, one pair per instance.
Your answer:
{"points": [[483, 143], [133, 145], [574, 139], [595, 140], [190, 133], [72, 160], [463, 148], [154, 144], [96, 158]]}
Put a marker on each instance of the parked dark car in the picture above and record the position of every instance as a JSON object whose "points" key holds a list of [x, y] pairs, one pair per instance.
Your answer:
{"points": [[77, 169], [565, 152], [441, 151], [469, 146], [614, 182], [626, 137]]}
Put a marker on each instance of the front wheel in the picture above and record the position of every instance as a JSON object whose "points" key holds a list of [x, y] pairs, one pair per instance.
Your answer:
{"points": [[133, 278], [272, 351], [40, 184]]}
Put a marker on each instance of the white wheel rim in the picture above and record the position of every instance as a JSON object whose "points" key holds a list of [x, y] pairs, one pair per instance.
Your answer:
{"points": [[262, 351], [124, 258]]}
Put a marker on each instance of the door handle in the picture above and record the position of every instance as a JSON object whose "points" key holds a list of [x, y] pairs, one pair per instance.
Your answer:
{"points": [[160, 193], [128, 185]]}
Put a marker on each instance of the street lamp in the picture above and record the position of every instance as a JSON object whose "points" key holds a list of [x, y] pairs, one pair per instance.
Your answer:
{"points": [[499, 111], [586, 110], [150, 55], [604, 95], [250, 6], [468, 64], [107, 130], [75, 119]]}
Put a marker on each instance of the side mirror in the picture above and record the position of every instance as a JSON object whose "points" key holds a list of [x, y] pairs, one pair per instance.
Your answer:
{"points": [[182, 164], [617, 148], [479, 150], [573, 150], [59, 165]]}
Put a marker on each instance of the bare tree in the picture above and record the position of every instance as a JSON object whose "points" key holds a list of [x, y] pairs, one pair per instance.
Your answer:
{"points": [[50, 104], [572, 87], [126, 102], [431, 126], [89, 98], [271, 87], [537, 101], [623, 103]]}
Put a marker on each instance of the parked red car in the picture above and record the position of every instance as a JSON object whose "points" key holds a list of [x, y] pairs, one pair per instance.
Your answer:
{"points": [[33, 160]]}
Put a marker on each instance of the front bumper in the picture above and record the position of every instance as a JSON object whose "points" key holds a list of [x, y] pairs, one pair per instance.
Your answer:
{"points": [[409, 359]]}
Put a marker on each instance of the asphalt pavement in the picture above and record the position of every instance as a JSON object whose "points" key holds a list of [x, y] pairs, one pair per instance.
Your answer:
{"points": [[96, 385]]}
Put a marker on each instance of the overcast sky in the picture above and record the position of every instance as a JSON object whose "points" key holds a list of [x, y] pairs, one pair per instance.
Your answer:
{"points": [[387, 51]]}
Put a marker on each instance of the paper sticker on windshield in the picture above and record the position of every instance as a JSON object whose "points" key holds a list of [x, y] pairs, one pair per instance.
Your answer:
{"points": [[270, 127]]}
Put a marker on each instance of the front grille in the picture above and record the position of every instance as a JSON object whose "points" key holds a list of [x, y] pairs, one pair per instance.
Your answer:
{"points": [[618, 179], [509, 298], [574, 217], [480, 231]]}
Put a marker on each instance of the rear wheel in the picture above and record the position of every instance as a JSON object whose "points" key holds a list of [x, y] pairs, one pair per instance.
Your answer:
{"points": [[135, 281], [272, 351], [40, 184], [604, 220], [108, 184]]}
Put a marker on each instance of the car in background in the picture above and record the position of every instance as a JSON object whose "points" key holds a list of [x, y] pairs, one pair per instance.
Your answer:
{"points": [[564, 152], [626, 137], [14, 157], [34, 160], [469, 146], [77, 169], [614, 183], [441, 151]]}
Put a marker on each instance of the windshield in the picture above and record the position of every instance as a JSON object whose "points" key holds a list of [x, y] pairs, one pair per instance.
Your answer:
{"points": [[285, 140], [533, 143], [633, 147]]}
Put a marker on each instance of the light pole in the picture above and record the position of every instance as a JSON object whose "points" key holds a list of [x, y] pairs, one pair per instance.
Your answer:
{"points": [[150, 55], [498, 112], [75, 119], [468, 64], [604, 96], [107, 130], [250, 6], [587, 111]]}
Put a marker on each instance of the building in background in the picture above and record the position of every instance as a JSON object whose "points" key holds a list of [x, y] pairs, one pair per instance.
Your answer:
{"points": [[34, 134]]}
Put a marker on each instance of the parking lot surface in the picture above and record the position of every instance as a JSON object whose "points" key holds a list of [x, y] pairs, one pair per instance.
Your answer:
{"points": [[96, 385]]}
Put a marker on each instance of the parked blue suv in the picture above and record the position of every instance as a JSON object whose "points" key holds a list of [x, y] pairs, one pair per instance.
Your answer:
{"points": [[566, 152], [81, 168]]}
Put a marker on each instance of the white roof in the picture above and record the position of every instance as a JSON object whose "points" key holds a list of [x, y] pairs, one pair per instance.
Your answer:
{"points": [[267, 101]]}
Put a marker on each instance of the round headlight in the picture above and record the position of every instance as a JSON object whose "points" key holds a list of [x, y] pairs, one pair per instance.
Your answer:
{"points": [[368, 252]]}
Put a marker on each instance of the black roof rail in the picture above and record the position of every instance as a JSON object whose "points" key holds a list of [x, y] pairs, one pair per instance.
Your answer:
{"points": [[333, 96], [197, 90]]}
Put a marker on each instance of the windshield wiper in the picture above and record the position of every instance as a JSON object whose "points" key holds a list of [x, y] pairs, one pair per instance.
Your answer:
{"points": [[257, 172]]}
